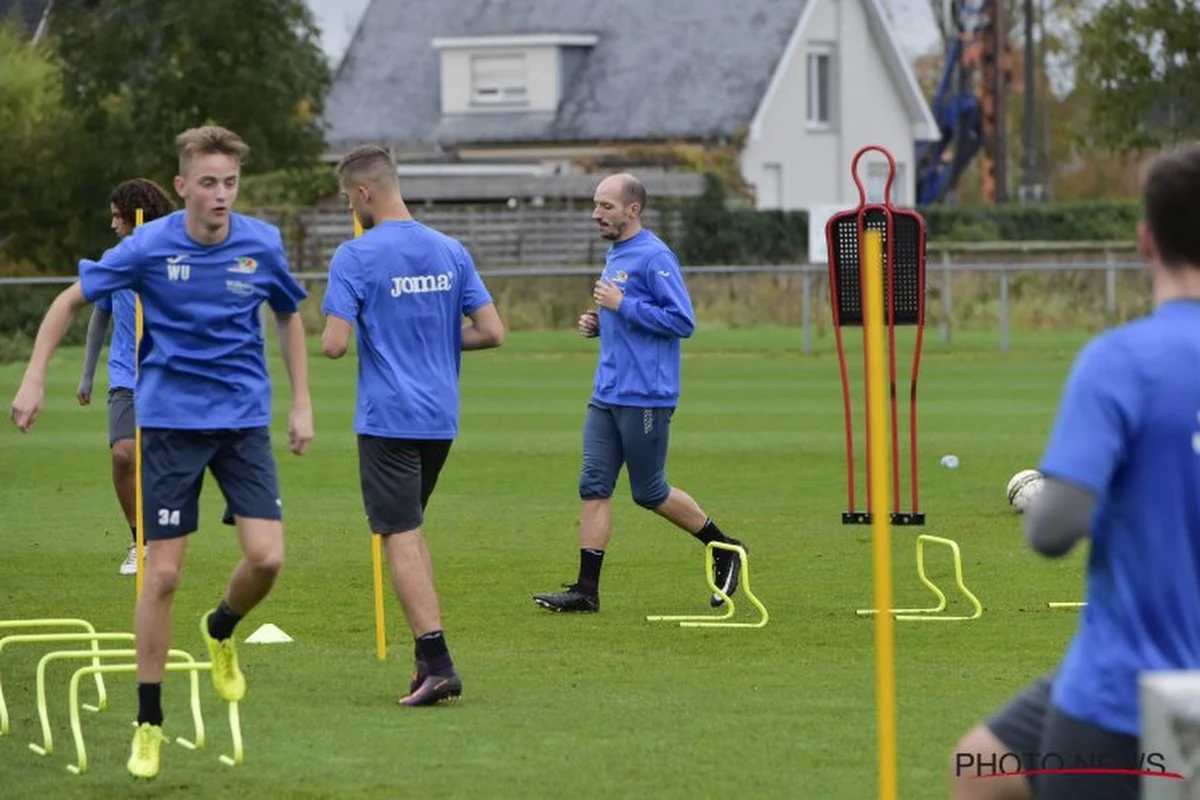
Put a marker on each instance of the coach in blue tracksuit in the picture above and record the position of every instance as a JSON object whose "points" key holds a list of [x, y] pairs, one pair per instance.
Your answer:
{"points": [[644, 312]]}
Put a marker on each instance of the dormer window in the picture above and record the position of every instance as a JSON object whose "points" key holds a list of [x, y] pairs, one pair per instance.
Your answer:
{"points": [[509, 73], [499, 80]]}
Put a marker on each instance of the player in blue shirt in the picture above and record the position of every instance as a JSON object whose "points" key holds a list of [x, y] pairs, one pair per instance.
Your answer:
{"points": [[406, 288], [203, 400], [120, 310], [1122, 468], [644, 312]]}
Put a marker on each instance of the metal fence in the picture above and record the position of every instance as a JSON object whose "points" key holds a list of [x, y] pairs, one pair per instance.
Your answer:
{"points": [[966, 287], [497, 236]]}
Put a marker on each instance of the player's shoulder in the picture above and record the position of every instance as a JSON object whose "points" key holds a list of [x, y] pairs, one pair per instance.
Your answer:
{"points": [[655, 249], [1113, 350], [452, 249], [157, 232], [257, 229], [432, 234]]}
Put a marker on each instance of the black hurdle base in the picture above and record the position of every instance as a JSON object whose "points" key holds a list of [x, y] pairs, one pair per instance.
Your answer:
{"points": [[898, 518]]}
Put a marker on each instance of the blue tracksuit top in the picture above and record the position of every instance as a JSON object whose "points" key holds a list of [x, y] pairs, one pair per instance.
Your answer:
{"points": [[640, 341]]}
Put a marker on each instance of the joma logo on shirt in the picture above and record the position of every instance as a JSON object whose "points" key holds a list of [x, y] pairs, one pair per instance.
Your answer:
{"points": [[420, 284]]}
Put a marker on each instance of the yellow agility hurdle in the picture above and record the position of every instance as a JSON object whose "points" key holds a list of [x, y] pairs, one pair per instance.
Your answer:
{"points": [[720, 621], [47, 745], [933, 613], [235, 725], [36, 638], [21, 624]]}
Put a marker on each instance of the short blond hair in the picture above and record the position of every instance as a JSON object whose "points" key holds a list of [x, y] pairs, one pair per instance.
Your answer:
{"points": [[209, 140]]}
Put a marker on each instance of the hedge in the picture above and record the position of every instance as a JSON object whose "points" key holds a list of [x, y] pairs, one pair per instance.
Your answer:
{"points": [[713, 232]]}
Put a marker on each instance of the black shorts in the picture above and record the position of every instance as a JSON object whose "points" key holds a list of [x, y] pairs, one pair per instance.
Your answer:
{"points": [[173, 465], [398, 477], [1039, 736], [122, 420]]}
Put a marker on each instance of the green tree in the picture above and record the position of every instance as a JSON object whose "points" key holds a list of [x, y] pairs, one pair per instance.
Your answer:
{"points": [[141, 71], [1139, 65], [40, 139]]}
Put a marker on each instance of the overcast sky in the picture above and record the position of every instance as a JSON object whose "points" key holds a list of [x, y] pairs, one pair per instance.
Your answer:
{"points": [[337, 20]]}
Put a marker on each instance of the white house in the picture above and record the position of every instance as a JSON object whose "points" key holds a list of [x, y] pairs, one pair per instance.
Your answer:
{"points": [[496, 97]]}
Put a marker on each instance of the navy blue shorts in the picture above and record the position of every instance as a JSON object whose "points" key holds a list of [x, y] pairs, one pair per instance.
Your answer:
{"points": [[623, 435], [173, 465]]}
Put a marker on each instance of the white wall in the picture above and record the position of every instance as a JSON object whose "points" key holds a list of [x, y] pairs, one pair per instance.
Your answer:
{"points": [[868, 108]]}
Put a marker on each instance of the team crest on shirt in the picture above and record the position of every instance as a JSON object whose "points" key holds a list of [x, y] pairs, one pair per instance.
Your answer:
{"points": [[622, 276], [244, 266]]}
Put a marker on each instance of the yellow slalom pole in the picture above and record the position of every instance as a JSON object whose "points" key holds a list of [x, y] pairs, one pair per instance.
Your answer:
{"points": [[137, 444], [376, 556], [377, 563], [885, 656]]}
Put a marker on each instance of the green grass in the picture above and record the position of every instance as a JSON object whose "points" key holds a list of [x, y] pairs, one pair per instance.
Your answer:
{"points": [[606, 705]]}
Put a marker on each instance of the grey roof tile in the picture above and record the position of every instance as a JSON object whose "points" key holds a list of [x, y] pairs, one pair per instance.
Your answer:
{"points": [[661, 69]]}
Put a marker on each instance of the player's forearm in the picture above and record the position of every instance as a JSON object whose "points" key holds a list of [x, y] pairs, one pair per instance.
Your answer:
{"points": [[53, 330], [485, 331], [1058, 518], [295, 357], [473, 338], [97, 328], [670, 321]]}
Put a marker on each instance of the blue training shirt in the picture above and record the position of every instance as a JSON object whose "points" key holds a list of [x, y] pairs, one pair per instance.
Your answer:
{"points": [[640, 342], [122, 373], [405, 287], [203, 364], [1128, 430]]}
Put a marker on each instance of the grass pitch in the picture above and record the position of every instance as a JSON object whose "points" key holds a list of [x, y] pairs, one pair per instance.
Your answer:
{"points": [[604, 705]]}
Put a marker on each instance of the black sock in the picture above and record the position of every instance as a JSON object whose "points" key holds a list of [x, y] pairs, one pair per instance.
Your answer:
{"points": [[590, 562], [710, 533], [431, 648], [150, 703], [222, 621], [133, 531]]}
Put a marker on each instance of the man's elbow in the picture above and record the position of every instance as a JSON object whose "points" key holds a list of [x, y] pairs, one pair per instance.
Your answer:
{"points": [[71, 298], [494, 335], [1048, 536], [1049, 547], [332, 347]]}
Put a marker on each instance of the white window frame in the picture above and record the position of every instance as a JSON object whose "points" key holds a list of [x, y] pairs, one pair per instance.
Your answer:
{"points": [[818, 54], [505, 90]]}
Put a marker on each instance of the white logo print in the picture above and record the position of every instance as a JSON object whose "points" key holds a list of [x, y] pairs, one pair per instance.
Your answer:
{"points": [[664, 273], [178, 269], [1196, 436], [421, 284], [240, 288], [647, 421]]}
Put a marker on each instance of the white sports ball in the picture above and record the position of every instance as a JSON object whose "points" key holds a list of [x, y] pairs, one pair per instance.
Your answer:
{"points": [[1022, 488]]}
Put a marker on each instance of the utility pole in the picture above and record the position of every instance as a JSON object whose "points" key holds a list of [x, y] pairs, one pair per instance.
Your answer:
{"points": [[995, 63], [1029, 191]]}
